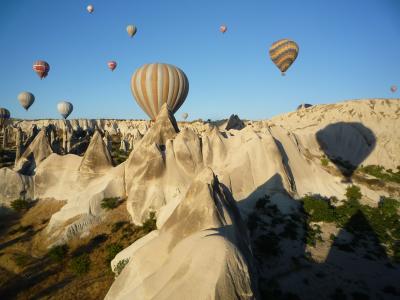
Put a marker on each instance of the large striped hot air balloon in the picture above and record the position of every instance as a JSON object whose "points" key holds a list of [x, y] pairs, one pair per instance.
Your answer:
{"points": [[131, 30], [393, 88], [26, 99], [4, 116], [155, 84], [112, 65], [65, 108], [283, 53], [41, 68], [223, 28]]}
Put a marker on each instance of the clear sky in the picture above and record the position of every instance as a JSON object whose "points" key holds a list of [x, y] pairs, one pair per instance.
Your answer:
{"points": [[349, 49]]}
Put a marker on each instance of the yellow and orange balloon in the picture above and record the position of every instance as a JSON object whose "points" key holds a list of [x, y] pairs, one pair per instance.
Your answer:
{"points": [[283, 53]]}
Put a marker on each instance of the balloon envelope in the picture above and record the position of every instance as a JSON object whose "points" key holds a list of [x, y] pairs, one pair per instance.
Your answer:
{"points": [[131, 30], [393, 88], [185, 116], [283, 53], [65, 108], [153, 85], [41, 68], [90, 8], [112, 65], [4, 116], [223, 28], [26, 99]]}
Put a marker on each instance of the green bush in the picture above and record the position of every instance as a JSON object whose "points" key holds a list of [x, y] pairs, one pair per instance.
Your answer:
{"points": [[324, 161], [380, 172], [353, 193], [150, 224], [21, 259], [109, 203], [58, 253], [313, 234], [20, 205], [112, 251], [360, 220], [81, 264], [120, 266], [318, 209]]}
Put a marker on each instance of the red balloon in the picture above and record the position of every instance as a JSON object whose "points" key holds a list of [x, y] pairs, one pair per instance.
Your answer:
{"points": [[112, 65], [41, 68], [223, 28]]}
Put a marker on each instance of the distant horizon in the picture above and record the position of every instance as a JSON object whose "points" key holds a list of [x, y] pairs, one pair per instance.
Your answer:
{"points": [[348, 50], [179, 118]]}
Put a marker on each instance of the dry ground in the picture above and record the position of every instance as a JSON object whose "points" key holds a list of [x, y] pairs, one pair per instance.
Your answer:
{"points": [[27, 271]]}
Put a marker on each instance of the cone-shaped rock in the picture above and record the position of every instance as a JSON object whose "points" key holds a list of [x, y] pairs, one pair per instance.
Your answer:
{"points": [[97, 158], [204, 241], [234, 122], [164, 128], [34, 154]]}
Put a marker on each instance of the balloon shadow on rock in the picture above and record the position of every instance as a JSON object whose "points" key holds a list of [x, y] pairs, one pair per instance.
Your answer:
{"points": [[347, 145]]}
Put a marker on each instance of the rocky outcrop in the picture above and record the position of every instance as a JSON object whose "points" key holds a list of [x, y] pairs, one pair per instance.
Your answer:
{"points": [[14, 185], [97, 158], [34, 154], [303, 106], [234, 122], [204, 242], [160, 167]]}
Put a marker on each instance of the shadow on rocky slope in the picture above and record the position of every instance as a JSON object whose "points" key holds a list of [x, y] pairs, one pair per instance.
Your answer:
{"points": [[347, 145]]}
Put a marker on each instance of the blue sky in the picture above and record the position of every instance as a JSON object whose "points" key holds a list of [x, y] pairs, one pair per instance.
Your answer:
{"points": [[349, 49]]}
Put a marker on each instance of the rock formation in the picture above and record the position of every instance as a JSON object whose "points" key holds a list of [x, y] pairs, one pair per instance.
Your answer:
{"points": [[234, 122], [204, 242], [97, 158], [34, 154]]}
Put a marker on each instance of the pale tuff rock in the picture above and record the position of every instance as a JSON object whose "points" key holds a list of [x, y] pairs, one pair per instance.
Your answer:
{"points": [[234, 122], [204, 242], [97, 158], [34, 154], [159, 169], [14, 185], [380, 116]]}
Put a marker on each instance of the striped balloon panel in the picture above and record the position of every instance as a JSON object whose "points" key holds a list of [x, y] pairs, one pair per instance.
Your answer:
{"points": [[283, 53], [155, 84], [42, 68], [4, 113]]}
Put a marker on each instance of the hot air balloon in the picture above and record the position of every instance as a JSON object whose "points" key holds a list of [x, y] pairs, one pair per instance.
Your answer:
{"points": [[185, 116], [131, 30], [223, 28], [393, 88], [41, 68], [65, 108], [153, 85], [26, 99], [112, 65], [4, 116], [90, 8], [283, 53]]}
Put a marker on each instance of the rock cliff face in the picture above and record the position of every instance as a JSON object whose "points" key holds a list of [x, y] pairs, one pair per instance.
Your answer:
{"points": [[204, 241]]}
